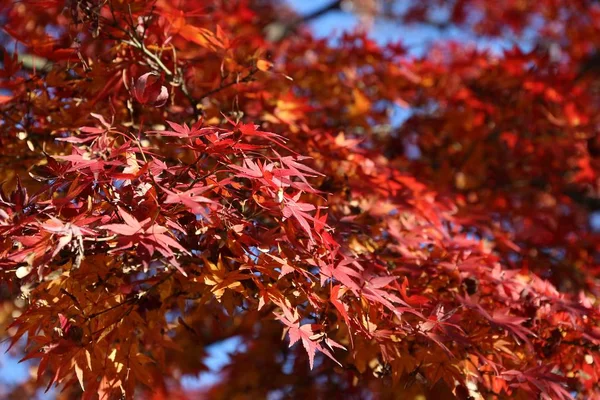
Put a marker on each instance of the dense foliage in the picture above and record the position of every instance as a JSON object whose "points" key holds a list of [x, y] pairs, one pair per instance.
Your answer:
{"points": [[178, 173]]}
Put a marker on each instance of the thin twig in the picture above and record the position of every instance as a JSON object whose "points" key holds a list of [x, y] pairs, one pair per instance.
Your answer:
{"points": [[132, 300], [222, 86]]}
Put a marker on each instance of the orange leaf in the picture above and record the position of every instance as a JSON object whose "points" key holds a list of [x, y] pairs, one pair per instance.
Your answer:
{"points": [[264, 65]]}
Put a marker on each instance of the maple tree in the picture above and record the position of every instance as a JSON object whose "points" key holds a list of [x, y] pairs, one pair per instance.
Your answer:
{"points": [[176, 175]]}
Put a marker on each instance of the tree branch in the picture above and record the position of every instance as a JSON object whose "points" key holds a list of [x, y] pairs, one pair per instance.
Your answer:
{"points": [[336, 5], [223, 86], [589, 202], [279, 30]]}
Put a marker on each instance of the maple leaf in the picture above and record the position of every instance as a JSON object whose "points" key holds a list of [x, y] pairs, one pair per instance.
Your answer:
{"points": [[219, 278], [149, 238], [67, 233], [249, 170], [342, 272], [308, 334], [184, 131], [436, 321], [191, 198], [129, 228], [342, 308], [541, 379], [293, 208], [457, 252], [252, 130], [201, 36], [513, 324], [413, 299]]}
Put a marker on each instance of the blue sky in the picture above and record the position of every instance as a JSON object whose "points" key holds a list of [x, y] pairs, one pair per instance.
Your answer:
{"points": [[416, 38]]}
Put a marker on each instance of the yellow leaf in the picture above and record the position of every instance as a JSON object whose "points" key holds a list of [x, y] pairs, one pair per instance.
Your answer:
{"points": [[23, 271], [132, 164], [201, 36], [210, 281], [88, 357], [264, 65], [361, 105], [79, 373], [112, 355], [119, 367]]}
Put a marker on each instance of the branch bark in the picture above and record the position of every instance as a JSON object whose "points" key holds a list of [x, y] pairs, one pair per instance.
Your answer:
{"points": [[279, 30]]}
